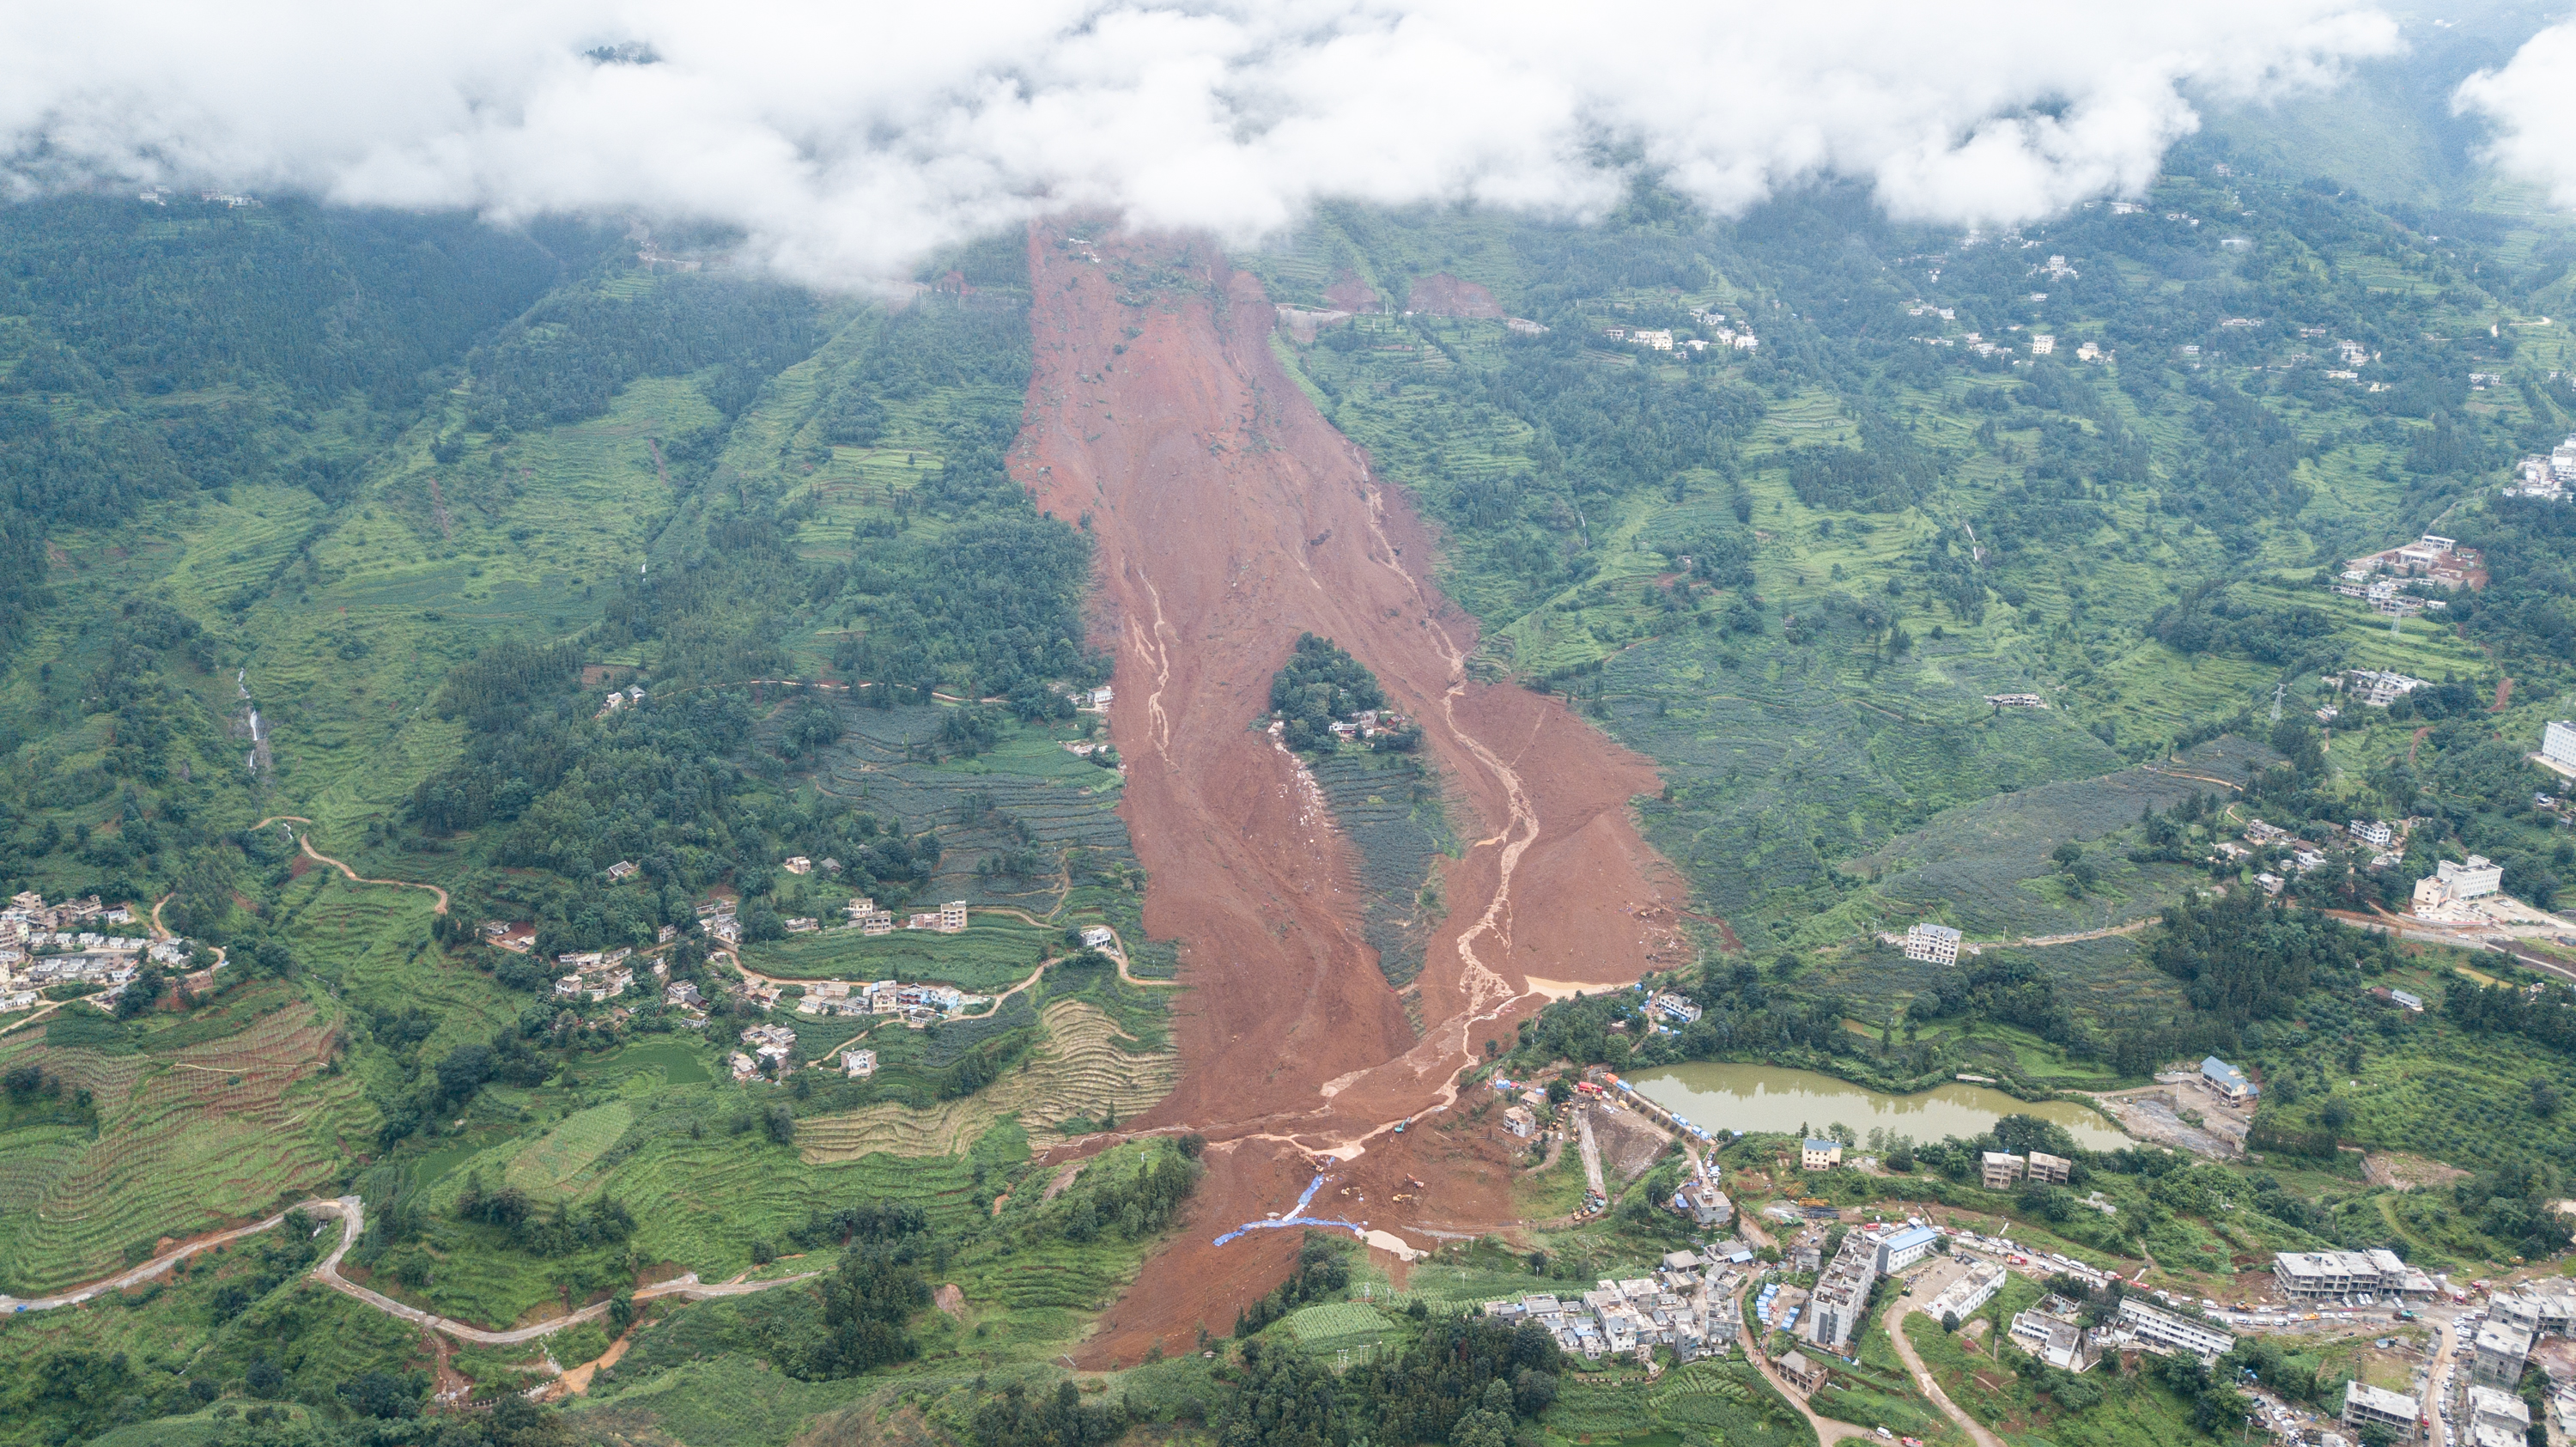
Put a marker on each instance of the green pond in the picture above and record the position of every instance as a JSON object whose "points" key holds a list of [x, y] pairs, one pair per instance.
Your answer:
{"points": [[1755, 1098]]}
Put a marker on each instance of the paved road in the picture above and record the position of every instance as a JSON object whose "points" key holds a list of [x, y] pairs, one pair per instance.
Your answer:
{"points": [[353, 1220], [1896, 1337]]}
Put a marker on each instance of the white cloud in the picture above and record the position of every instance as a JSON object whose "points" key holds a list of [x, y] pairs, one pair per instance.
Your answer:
{"points": [[845, 139], [2531, 103]]}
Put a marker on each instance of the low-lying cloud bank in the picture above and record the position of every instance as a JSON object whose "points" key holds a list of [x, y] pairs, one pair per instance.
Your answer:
{"points": [[846, 140], [2531, 103]]}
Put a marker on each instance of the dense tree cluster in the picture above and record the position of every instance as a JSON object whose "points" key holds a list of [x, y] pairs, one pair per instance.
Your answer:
{"points": [[1319, 685]]}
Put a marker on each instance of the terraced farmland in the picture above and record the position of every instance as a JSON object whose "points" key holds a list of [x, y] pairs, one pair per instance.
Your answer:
{"points": [[1340, 1326], [1985, 866], [1390, 809], [199, 1137], [1079, 1070], [558, 1163]]}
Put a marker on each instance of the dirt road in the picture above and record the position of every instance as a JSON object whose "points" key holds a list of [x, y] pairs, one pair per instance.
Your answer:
{"points": [[353, 1220], [1228, 517], [1895, 1321], [318, 857], [1827, 1430], [1591, 1154]]}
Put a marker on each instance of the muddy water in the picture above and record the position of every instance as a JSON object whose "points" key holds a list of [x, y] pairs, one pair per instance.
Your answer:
{"points": [[1767, 1098]]}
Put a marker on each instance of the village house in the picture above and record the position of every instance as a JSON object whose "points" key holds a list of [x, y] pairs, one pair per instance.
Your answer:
{"points": [[1819, 1155], [2051, 1332], [683, 995], [624, 869], [1997, 1170], [1706, 1205], [2376, 688], [859, 1064], [775, 1043], [2230, 1082], [1100, 937], [797, 864], [1520, 1122], [948, 919]]}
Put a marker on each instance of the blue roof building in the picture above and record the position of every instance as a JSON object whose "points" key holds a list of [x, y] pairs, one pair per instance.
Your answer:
{"points": [[1904, 1248], [2228, 1080]]}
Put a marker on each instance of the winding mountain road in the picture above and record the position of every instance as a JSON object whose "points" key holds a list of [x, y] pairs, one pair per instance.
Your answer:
{"points": [[317, 856], [353, 1219]]}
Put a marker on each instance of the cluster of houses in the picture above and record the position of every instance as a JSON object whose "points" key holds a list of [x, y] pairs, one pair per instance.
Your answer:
{"points": [[2385, 842], [2546, 477], [771, 1048], [917, 1005], [1722, 335], [1684, 1305], [2375, 688], [1368, 723], [43, 945], [2431, 561], [598, 974], [620, 699]]}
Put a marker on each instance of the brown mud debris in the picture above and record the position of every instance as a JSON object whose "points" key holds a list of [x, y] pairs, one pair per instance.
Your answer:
{"points": [[1229, 517]]}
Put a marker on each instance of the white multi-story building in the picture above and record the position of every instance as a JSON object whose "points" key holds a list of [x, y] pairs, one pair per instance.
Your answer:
{"points": [[1903, 1248], [2558, 743], [1935, 942], [2376, 833], [2454, 881], [2164, 1331]]}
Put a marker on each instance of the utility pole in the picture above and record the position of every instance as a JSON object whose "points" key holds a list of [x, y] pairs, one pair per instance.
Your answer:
{"points": [[2277, 690]]}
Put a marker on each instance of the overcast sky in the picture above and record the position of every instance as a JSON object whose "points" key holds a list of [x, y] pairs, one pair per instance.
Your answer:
{"points": [[845, 139]]}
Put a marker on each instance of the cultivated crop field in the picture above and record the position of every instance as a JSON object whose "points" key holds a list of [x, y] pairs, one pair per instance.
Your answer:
{"points": [[1081, 1069], [195, 1137], [1390, 810]]}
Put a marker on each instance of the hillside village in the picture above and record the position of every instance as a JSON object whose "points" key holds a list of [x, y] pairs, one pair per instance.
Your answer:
{"points": [[42, 947]]}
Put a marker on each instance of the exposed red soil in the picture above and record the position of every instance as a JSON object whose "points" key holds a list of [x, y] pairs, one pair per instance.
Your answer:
{"points": [[2504, 692], [1230, 517], [1349, 293], [1443, 295]]}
